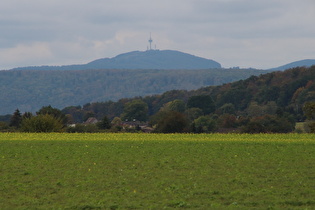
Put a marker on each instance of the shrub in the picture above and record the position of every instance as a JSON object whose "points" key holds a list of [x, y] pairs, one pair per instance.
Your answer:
{"points": [[42, 124]]}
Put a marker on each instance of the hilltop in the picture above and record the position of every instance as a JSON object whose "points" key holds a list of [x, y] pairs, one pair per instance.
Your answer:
{"points": [[301, 63], [156, 59], [150, 59]]}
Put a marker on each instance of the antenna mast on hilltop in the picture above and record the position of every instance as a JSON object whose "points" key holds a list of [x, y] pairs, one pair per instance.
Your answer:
{"points": [[150, 41]]}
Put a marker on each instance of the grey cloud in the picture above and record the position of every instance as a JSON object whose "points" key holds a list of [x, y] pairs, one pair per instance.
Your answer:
{"points": [[97, 27]]}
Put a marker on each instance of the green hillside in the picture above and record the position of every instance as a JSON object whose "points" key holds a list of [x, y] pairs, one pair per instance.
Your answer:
{"points": [[271, 102], [288, 90], [29, 90]]}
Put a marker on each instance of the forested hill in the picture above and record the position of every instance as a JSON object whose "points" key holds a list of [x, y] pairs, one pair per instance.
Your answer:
{"points": [[288, 89], [29, 90], [272, 93], [150, 59]]}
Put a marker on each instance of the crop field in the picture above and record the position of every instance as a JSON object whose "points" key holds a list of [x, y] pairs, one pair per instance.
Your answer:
{"points": [[157, 171]]}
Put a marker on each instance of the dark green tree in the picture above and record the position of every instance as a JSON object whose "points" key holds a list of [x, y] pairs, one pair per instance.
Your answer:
{"points": [[205, 124], [309, 112], [104, 123], [56, 113], [27, 115], [75, 114], [227, 109], [203, 102], [135, 110], [193, 113], [16, 119], [269, 124], [176, 105], [172, 122]]}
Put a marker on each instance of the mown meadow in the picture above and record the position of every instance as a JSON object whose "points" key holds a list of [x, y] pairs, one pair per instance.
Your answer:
{"points": [[157, 171]]}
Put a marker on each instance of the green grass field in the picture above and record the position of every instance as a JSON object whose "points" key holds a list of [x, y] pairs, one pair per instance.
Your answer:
{"points": [[157, 171]]}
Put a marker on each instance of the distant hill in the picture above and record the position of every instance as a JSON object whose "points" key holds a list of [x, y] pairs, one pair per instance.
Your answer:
{"points": [[29, 90], [150, 59], [301, 63]]}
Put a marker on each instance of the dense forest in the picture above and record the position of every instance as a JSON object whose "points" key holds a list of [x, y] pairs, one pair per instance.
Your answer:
{"points": [[272, 102], [29, 90]]}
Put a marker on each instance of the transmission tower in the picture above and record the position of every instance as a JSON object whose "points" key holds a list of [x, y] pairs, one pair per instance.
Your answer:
{"points": [[150, 41]]}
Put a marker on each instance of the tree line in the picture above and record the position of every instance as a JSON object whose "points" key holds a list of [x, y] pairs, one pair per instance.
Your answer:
{"points": [[269, 103]]}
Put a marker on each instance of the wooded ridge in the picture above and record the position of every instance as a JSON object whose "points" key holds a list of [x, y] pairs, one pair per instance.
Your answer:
{"points": [[285, 91], [29, 90]]}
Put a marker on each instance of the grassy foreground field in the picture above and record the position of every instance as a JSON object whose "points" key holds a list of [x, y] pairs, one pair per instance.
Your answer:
{"points": [[157, 171]]}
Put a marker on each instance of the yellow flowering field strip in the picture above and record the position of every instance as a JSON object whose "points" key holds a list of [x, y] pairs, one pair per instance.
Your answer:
{"points": [[156, 171], [309, 138]]}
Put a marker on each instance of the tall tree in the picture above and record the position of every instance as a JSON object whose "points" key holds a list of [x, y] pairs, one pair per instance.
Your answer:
{"points": [[104, 123], [16, 119]]}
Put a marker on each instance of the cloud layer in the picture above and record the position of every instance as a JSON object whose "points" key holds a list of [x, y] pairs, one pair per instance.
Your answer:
{"points": [[246, 33]]}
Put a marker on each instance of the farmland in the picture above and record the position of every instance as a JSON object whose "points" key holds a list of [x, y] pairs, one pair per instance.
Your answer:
{"points": [[156, 171]]}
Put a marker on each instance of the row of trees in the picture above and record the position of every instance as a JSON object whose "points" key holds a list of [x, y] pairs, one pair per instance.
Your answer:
{"points": [[198, 115], [47, 119]]}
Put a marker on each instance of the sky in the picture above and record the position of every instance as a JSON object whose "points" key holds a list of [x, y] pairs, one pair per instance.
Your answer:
{"points": [[245, 33]]}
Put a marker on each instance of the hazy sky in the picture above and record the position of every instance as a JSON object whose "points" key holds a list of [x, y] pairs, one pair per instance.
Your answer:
{"points": [[245, 33]]}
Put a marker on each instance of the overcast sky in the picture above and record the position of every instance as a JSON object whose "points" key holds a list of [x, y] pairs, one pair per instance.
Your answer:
{"points": [[245, 33]]}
